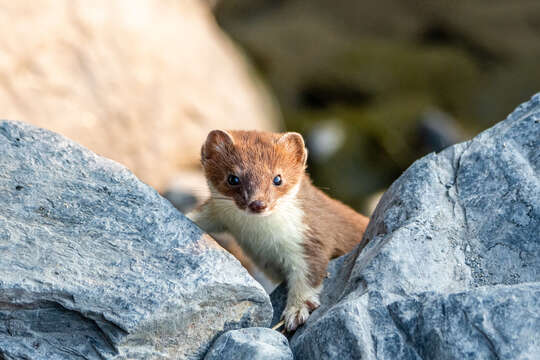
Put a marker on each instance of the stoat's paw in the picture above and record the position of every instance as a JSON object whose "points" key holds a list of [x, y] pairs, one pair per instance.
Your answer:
{"points": [[295, 315]]}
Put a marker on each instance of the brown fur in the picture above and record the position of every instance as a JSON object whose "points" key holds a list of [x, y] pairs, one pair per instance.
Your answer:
{"points": [[334, 229], [256, 158]]}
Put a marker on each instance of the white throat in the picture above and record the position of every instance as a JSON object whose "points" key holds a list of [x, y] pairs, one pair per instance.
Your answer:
{"points": [[272, 240]]}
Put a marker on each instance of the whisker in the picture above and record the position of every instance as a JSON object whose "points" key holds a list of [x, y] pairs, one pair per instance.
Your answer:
{"points": [[221, 198]]}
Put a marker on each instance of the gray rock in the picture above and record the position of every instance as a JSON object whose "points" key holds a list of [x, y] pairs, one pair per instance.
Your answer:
{"points": [[250, 344], [95, 264], [454, 226], [490, 322]]}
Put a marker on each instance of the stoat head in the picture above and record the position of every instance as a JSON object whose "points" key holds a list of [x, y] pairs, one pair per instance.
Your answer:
{"points": [[255, 170]]}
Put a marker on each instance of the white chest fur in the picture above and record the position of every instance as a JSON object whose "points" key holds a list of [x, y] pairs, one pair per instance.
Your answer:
{"points": [[273, 241]]}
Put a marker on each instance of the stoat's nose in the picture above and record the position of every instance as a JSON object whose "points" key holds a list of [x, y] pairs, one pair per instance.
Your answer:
{"points": [[257, 206]]}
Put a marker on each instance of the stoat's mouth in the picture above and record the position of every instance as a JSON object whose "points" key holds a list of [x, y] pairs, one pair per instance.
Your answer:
{"points": [[258, 213]]}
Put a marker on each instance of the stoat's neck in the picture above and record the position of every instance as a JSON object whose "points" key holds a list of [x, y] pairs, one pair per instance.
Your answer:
{"points": [[273, 241], [287, 216]]}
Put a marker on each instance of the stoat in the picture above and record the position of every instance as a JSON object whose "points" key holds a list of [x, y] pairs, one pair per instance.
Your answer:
{"points": [[261, 194]]}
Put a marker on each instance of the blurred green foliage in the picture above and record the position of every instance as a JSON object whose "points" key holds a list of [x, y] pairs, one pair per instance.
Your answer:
{"points": [[378, 68]]}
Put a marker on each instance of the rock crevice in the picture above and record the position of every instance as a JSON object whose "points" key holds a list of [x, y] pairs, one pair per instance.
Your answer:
{"points": [[89, 252], [452, 264]]}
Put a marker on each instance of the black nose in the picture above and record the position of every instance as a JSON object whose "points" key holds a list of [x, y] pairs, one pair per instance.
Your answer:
{"points": [[257, 206]]}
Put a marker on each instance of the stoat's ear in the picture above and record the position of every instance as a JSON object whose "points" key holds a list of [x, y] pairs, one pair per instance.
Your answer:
{"points": [[293, 142], [216, 142]]}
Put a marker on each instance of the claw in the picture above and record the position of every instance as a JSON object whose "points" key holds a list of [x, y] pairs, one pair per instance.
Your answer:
{"points": [[295, 316], [297, 313]]}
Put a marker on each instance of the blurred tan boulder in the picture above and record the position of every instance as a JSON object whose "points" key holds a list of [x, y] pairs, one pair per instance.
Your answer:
{"points": [[141, 82]]}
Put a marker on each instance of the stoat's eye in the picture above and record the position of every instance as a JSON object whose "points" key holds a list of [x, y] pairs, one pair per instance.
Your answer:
{"points": [[277, 180], [233, 180]]}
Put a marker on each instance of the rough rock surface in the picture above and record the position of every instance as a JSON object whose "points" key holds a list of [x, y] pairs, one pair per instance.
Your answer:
{"points": [[138, 81], [490, 322], [95, 264], [458, 275], [250, 344]]}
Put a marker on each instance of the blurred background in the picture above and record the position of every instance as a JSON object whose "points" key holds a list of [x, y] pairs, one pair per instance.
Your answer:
{"points": [[372, 85]]}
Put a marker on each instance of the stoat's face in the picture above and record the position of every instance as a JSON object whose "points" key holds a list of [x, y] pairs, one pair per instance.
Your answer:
{"points": [[253, 169]]}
